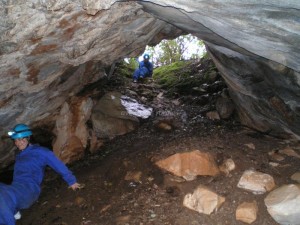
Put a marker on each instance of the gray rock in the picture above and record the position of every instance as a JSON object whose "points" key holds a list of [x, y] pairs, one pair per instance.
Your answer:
{"points": [[283, 204]]}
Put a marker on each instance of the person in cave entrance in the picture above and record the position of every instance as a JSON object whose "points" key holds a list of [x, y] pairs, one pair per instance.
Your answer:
{"points": [[145, 69], [29, 168]]}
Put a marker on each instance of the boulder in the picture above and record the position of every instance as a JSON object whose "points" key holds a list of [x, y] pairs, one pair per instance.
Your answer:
{"points": [[296, 177], [72, 134], [203, 200], [247, 212], [256, 182], [189, 165], [110, 118], [283, 204]]}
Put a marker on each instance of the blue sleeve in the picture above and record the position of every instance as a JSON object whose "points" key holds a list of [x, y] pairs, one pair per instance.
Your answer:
{"points": [[60, 168], [141, 64]]}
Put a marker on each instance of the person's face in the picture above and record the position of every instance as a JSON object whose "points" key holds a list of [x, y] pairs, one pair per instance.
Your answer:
{"points": [[21, 143]]}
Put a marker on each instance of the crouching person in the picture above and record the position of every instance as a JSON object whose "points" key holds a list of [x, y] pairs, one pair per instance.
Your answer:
{"points": [[144, 70], [29, 168]]}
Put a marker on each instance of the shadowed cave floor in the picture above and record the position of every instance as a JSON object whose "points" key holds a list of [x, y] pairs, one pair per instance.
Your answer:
{"points": [[157, 199]]}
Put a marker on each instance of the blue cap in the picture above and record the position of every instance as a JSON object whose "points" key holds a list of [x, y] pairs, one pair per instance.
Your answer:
{"points": [[146, 56], [20, 131]]}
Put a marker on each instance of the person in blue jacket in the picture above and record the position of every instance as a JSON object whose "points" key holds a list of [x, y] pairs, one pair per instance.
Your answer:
{"points": [[145, 69], [29, 168]]}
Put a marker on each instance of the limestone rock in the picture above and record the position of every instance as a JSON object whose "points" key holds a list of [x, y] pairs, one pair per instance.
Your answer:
{"points": [[110, 118], [189, 165], [71, 131], [134, 108], [283, 204], [203, 200], [256, 182], [247, 212]]}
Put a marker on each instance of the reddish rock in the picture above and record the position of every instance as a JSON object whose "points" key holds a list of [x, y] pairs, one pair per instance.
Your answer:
{"points": [[189, 165]]}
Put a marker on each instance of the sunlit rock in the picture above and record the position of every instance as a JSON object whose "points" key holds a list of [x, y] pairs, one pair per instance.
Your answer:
{"points": [[189, 165], [283, 204], [247, 212], [256, 182], [134, 108], [203, 200]]}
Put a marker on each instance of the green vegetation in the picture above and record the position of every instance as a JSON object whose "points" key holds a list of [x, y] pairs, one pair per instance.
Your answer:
{"points": [[176, 77], [127, 69]]}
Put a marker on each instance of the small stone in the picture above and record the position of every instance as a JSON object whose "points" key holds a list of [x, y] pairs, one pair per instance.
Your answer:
{"points": [[203, 200], [250, 146], [247, 212], [296, 177], [213, 115], [227, 166], [256, 182], [290, 152], [283, 204]]}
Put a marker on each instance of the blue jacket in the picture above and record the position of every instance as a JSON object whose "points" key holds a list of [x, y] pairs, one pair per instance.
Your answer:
{"points": [[148, 65], [29, 172], [31, 163]]}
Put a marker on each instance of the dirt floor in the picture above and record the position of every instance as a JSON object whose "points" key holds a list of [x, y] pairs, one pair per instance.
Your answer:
{"points": [[156, 197]]}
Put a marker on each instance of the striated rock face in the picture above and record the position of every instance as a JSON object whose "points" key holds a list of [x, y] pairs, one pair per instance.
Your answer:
{"points": [[51, 50]]}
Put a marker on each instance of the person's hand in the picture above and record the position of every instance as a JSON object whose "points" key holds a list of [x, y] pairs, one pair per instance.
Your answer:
{"points": [[76, 186]]}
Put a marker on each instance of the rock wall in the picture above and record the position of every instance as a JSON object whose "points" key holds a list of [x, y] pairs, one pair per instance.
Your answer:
{"points": [[51, 50]]}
